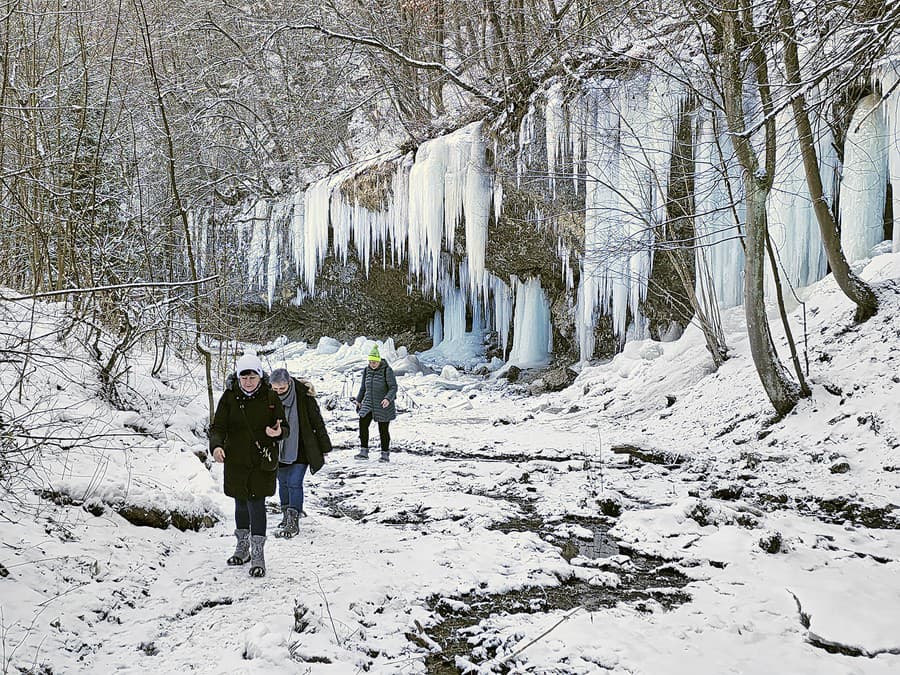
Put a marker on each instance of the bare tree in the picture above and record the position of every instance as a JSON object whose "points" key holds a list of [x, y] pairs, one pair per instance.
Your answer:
{"points": [[852, 286], [739, 39]]}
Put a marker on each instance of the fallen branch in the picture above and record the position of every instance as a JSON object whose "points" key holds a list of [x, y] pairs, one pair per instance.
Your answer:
{"points": [[95, 289], [521, 649], [328, 609]]}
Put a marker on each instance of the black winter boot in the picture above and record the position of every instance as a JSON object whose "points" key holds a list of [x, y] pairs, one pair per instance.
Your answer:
{"points": [[280, 526], [292, 528], [257, 555], [242, 550]]}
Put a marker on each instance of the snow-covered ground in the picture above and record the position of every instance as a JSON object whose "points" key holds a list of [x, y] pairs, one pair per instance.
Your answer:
{"points": [[785, 532]]}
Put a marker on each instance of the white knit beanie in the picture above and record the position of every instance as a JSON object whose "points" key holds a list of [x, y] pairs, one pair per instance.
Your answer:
{"points": [[249, 362]]}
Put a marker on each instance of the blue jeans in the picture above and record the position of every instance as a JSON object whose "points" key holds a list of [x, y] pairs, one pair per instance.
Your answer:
{"points": [[250, 515], [290, 486]]}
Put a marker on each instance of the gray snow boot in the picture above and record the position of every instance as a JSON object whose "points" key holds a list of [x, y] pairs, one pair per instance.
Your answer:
{"points": [[385, 456], [242, 550], [292, 525], [363, 454], [257, 555]]}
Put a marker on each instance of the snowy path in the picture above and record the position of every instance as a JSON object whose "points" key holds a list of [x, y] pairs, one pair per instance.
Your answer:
{"points": [[783, 538], [384, 538]]}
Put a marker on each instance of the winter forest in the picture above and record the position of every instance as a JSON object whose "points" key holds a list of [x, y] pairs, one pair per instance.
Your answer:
{"points": [[635, 266]]}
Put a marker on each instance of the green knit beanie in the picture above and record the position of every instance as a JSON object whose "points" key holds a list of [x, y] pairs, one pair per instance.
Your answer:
{"points": [[374, 355]]}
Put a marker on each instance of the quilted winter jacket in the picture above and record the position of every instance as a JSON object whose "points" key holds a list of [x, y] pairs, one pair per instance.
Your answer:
{"points": [[244, 479], [378, 384]]}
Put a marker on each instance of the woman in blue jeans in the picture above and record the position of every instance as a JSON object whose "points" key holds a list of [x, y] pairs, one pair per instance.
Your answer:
{"points": [[306, 445]]}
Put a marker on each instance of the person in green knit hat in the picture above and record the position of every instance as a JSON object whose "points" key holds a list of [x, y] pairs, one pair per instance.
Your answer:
{"points": [[375, 401]]}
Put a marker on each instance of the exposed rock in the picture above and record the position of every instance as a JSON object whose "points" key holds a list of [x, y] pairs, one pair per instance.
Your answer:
{"points": [[558, 379], [347, 303], [843, 509], [512, 373], [840, 467], [537, 386], [194, 522], [648, 455], [610, 506], [136, 515], [771, 543], [146, 517], [728, 492]]}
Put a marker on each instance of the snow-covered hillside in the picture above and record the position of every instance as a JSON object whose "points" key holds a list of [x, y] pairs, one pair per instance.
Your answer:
{"points": [[651, 518]]}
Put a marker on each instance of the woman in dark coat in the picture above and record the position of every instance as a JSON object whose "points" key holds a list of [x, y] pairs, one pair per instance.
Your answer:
{"points": [[305, 447], [249, 421], [375, 401]]}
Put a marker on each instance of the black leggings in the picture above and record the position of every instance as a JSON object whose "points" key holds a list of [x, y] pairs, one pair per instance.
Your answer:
{"points": [[250, 515], [383, 432]]}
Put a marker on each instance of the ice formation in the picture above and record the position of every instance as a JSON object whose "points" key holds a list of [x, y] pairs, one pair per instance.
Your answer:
{"points": [[717, 214], [889, 75], [532, 338], [615, 140], [864, 181]]}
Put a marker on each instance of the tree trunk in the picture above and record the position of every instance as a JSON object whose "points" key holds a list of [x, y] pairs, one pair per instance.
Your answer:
{"points": [[782, 391]]}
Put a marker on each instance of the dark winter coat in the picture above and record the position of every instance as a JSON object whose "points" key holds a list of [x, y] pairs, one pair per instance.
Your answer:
{"points": [[314, 440], [244, 479], [378, 384]]}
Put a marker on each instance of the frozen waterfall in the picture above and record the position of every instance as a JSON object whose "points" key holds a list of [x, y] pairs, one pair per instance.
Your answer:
{"points": [[864, 182], [630, 131], [532, 337], [718, 210], [889, 74], [615, 138]]}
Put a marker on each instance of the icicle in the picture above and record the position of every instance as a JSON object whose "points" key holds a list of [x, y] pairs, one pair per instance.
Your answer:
{"points": [[449, 180], [577, 136], [526, 140], [502, 310], [792, 221], [426, 210], [437, 330], [793, 225], [532, 339], [256, 251], [719, 247], [477, 200], [278, 217], [296, 230], [556, 132], [498, 197], [864, 181], [889, 74], [315, 230], [454, 315]]}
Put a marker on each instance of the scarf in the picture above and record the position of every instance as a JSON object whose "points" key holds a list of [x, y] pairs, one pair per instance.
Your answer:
{"points": [[289, 448]]}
